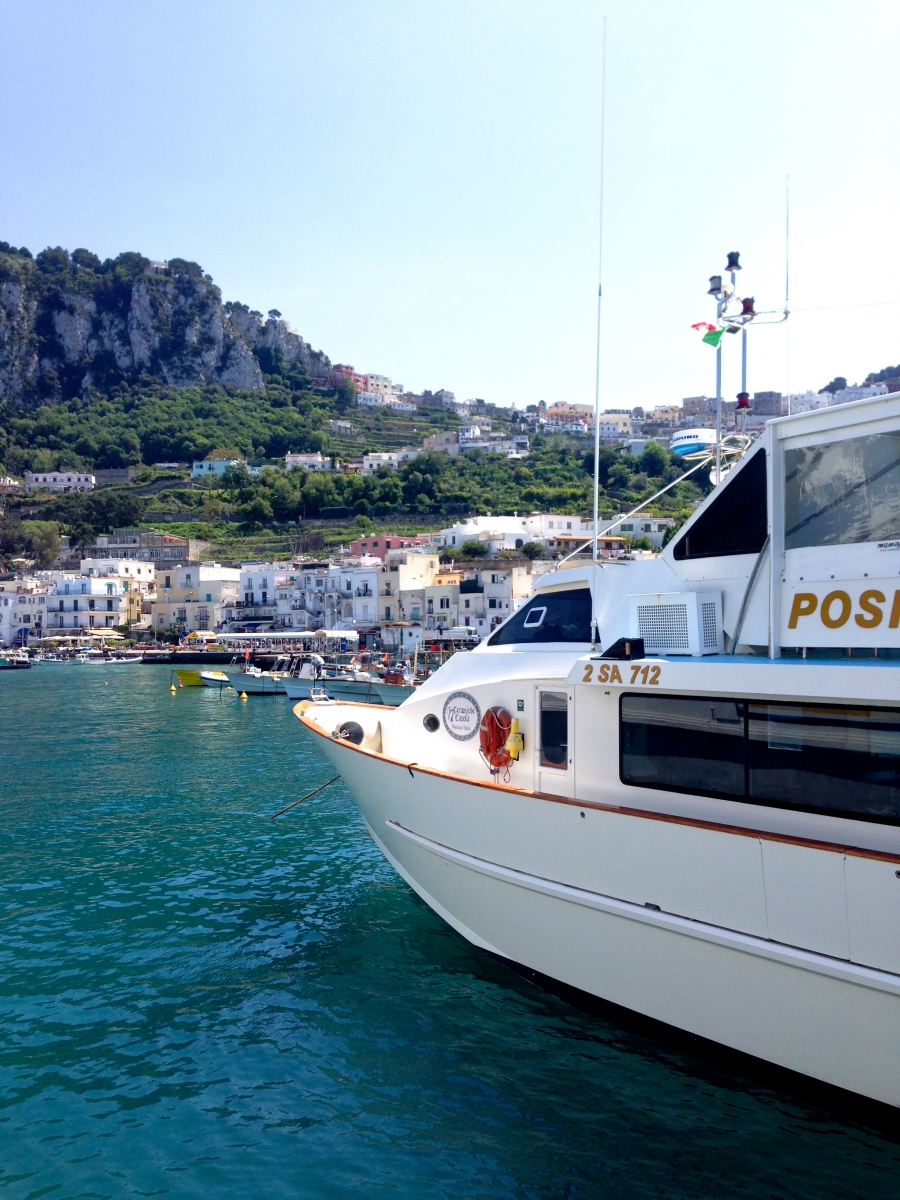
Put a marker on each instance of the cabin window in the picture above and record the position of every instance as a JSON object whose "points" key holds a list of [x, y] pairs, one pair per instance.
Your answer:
{"points": [[566, 618], [683, 744], [736, 522], [846, 760], [837, 760], [554, 730], [843, 492]]}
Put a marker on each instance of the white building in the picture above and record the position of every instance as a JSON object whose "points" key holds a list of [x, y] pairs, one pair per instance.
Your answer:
{"points": [[652, 528], [850, 394], [340, 596], [58, 481], [23, 609], [369, 399], [137, 580], [393, 459], [78, 603], [311, 462], [557, 531]]}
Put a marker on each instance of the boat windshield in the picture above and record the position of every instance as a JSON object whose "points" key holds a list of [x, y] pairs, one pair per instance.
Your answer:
{"points": [[736, 520], [843, 492], [551, 617]]}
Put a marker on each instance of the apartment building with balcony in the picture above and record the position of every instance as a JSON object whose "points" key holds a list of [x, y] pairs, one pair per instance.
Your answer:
{"points": [[137, 580], [80, 604], [193, 597], [23, 608]]}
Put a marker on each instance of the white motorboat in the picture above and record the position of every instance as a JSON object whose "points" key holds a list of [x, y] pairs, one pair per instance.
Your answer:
{"points": [[674, 783], [363, 686], [14, 660], [256, 682], [91, 656], [214, 679]]}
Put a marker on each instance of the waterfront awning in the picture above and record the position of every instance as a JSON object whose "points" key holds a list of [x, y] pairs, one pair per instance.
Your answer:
{"points": [[289, 635]]}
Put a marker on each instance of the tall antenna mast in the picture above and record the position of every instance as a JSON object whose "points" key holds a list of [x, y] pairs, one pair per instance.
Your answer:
{"points": [[787, 282], [599, 307]]}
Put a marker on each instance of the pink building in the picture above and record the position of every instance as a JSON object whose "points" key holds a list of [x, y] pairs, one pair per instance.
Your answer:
{"points": [[378, 544]]}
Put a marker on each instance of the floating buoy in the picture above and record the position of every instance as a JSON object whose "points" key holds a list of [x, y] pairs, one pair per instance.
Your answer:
{"points": [[172, 688], [106, 683], [243, 695]]}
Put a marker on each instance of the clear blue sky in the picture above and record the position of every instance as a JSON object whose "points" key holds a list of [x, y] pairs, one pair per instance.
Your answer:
{"points": [[414, 184]]}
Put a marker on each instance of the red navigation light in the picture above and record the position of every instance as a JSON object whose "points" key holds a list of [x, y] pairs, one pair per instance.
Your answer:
{"points": [[747, 309], [743, 399]]}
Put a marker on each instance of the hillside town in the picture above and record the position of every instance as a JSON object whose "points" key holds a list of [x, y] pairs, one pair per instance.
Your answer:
{"points": [[629, 430], [393, 590]]}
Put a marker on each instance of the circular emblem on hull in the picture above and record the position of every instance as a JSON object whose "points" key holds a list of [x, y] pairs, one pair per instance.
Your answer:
{"points": [[462, 716]]}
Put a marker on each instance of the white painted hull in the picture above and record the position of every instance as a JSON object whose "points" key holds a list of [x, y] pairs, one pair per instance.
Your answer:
{"points": [[256, 685], [536, 882], [361, 691], [298, 689]]}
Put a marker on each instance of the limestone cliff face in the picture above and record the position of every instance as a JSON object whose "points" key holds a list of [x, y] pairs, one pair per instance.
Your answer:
{"points": [[71, 324]]}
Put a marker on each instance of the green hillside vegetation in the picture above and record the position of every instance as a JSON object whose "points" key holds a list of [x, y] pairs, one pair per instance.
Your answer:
{"points": [[98, 415]]}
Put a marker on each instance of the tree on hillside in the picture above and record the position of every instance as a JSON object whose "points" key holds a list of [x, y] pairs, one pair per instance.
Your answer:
{"points": [[45, 543], [532, 550], [257, 511], [654, 460], [837, 385], [473, 550]]}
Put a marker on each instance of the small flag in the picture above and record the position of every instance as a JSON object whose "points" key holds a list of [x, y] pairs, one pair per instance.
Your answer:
{"points": [[712, 334]]}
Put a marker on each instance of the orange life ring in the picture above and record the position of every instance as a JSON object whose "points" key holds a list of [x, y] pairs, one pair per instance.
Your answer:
{"points": [[495, 726]]}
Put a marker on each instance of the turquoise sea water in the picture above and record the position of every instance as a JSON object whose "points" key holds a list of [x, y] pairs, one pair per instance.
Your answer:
{"points": [[196, 1000]]}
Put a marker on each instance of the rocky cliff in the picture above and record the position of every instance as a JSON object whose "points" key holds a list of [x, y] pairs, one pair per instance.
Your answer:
{"points": [[71, 325]]}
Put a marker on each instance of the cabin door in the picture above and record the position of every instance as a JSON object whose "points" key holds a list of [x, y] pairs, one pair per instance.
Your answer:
{"points": [[554, 766]]}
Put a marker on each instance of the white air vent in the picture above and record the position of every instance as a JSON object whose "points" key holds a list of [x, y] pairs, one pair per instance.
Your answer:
{"points": [[677, 622]]}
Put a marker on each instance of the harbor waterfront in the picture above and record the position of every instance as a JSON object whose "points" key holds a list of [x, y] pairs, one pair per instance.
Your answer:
{"points": [[196, 999]]}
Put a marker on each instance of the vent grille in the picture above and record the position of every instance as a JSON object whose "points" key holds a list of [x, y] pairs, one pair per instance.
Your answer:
{"points": [[665, 626], [710, 627]]}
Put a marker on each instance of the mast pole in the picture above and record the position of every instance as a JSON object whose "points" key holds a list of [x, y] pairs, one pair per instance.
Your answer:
{"points": [[719, 306], [599, 308]]}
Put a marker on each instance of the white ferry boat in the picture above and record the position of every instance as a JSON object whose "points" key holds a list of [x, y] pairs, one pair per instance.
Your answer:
{"points": [[697, 814]]}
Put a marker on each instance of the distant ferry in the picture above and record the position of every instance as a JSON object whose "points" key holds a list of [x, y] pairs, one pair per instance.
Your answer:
{"points": [[688, 440]]}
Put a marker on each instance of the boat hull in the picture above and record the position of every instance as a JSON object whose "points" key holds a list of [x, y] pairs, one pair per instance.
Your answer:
{"points": [[449, 838], [361, 691], [256, 685]]}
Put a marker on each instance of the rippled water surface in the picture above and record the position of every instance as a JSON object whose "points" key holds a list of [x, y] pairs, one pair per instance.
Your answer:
{"points": [[196, 1000]]}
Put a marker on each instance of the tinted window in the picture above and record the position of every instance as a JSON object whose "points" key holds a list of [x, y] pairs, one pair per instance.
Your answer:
{"points": [[736, 521], [683, 744], [554, 730], [814, 757], [844, 760], [843, 492], [554, 617]]}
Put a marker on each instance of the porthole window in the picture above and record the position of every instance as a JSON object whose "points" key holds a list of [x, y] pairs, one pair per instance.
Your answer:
{"points": [[431, 723]]}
